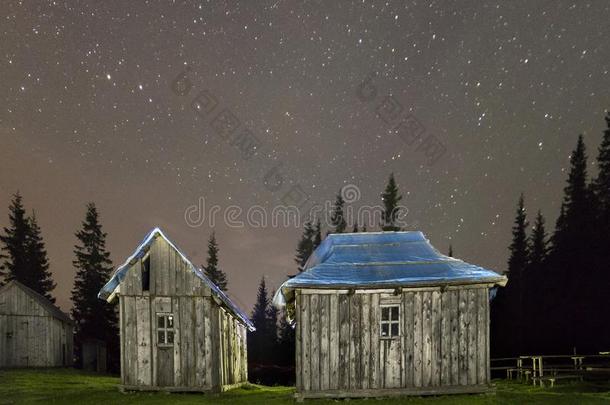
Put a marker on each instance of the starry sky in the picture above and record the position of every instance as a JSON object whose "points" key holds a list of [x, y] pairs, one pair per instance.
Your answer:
{"points": [[95, 108]]}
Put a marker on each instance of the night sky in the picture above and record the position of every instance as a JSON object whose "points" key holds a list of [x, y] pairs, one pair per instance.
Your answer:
{"points": [[91, 112]]}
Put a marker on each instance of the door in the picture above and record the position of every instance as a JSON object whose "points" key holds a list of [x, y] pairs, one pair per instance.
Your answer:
{"points": [[165, 367], [390, 345]]}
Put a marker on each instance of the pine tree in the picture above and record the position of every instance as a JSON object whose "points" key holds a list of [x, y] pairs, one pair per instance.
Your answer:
{"points": [[355, 229], [517, 263], [216, 275], [390, 198], [450, 253], [519, 246], [38, 276], [259, 345], [538, 243], [14, 242], [304, 246], [571, 261], [93, 317], [601, 184], [317, 235], [337, 218], [601, 194]]}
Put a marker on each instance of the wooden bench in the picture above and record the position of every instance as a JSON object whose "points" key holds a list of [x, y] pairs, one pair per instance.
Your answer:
{"points": [[551, 380]]}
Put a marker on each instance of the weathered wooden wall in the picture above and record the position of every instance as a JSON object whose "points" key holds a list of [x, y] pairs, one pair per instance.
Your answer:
{"points": [[29, 335], [443, 340], [206, 348]]}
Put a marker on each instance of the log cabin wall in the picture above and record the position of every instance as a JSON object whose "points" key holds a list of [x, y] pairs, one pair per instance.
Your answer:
{"points": [[205, 336], [29, 335], [442, 341]]}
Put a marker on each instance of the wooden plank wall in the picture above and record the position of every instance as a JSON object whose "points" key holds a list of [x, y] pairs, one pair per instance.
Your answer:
{"points": [[29, 336], [443, 340], [209, 348]]}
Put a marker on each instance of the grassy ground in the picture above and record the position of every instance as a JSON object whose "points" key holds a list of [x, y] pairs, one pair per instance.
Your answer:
{"points": [[66, 386]]}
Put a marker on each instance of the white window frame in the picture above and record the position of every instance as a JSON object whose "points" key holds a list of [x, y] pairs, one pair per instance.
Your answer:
{"points": [[165, 329], [389, 321]]}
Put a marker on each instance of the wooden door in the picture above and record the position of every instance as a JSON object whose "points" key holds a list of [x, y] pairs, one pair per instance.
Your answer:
{"points": [[390, 357], [165, 366]]}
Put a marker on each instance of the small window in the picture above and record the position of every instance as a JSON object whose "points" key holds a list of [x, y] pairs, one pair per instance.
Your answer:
{"points": [[165, 329], [390, 321], [146, 273]]}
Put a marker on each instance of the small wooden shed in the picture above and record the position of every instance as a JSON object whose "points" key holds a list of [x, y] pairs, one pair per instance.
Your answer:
{"points": [[179, 331], [33, 331], [384, 313]]}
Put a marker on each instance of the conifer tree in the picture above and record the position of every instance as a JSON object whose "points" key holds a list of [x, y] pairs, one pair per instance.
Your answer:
{"points": [[14, 241], [517, 262], [519, 246], [390, 199], [38, 276], [601, 184], [304, 246], [338, 216], [215, 274], [570, 258], [94, 318], [450, 253], [26, 259], [317, 235], [286, 341], [259, 344], [355, 228], [538, 243]]}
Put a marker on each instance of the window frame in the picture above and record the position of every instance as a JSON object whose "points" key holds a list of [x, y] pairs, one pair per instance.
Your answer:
{"points": [[165, 329], [389, 322]]}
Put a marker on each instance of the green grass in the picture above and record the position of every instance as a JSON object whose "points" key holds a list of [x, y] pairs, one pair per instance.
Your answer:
{"points": [[67, 386]]}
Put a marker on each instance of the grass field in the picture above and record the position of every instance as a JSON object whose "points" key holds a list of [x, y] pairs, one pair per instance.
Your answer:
{"points": [[66, 386]]}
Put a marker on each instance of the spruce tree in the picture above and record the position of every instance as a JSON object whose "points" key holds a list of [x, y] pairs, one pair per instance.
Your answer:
{"points": [[216, 275], [519, 245], [38, 276], [538, 243], [26, 258], [337, 218], [14, 242], [317, 235], [450, 253], [517, 262], [93, 317], [571, 261], [259, 344], [601, 184], [304, 246], [355, 229], [390, 198]]}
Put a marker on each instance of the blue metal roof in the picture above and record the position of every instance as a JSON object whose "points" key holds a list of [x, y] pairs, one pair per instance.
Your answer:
{"points": [[119, 274], [382, 260]]}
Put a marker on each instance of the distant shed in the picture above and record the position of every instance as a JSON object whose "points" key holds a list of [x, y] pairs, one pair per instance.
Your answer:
{"points": [[384, 313], [33, 331], [179, 331]]}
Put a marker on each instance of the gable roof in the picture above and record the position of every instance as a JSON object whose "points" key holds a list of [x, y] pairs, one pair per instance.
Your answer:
{"points": [[108, 291], [382, 260], [40, 299]]}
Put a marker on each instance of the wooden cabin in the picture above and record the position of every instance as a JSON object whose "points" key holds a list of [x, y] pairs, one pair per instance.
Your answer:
{"points": [[33, 331], [383, 314], [179, 331]]}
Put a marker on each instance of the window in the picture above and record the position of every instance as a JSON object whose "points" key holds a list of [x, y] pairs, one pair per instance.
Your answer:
{"points": [[390, 321], [146, 273], [165, 329]]}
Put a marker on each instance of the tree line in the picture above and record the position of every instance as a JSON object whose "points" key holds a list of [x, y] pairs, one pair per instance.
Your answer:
{"points": [[23, 257], [557, 294]]}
